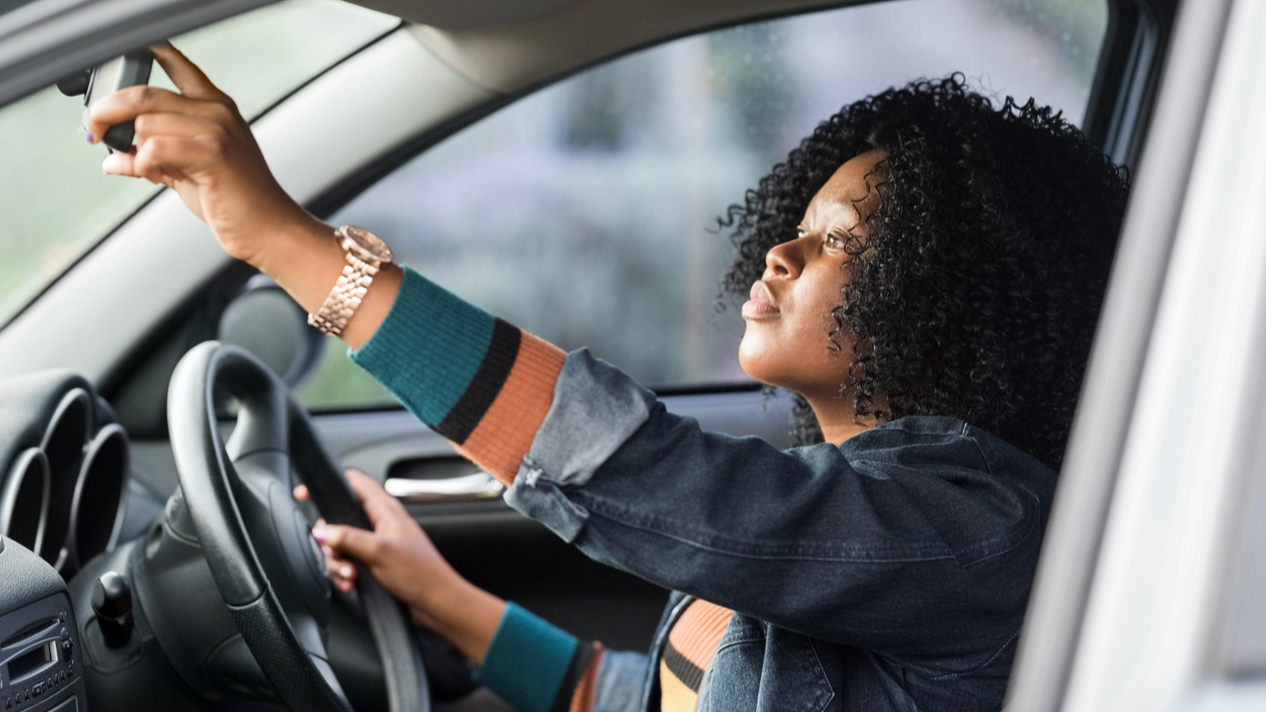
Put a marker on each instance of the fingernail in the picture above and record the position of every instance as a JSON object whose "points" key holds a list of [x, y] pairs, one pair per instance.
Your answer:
{"points": [[319, 533], [327, 551], [345, 571], [344, 586], [90, 138]]}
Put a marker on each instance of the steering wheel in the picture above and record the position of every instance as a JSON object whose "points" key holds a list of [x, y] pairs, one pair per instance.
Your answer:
{"points": [[248, 523]]}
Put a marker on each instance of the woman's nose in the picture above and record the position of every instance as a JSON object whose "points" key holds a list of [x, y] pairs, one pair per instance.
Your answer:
{"points": [[785, 260]]}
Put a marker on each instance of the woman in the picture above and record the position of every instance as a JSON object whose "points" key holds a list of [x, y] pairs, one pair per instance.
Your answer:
{"points": [[924, 272]]}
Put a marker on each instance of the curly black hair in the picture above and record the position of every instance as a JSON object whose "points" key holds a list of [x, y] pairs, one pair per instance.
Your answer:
{"points": [[976, 290]]}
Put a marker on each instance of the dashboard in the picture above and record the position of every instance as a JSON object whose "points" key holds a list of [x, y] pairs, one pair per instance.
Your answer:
{"points": [[105, 589], [64, 471], [65, 466]]}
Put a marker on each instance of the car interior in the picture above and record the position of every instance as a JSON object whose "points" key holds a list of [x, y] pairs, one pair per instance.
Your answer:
{"points": [[565, 164]]}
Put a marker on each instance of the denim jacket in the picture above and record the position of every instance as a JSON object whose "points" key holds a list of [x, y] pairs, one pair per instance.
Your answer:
{"points": [[888, 573]]}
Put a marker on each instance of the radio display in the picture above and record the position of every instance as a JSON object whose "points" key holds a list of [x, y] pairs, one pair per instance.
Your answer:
{"points": [[32, 660]]}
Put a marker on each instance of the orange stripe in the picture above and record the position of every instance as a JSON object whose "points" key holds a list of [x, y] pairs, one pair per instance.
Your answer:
{"points": [[505, 433], [674, 695], [698, 632], [582, 699]]}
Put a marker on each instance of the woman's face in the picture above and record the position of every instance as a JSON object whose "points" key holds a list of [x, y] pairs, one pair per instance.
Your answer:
{"points": [[789, 315]]}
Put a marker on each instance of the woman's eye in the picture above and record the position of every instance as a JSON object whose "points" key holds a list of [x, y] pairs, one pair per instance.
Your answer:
{"points": [[801, 232], [835, 241]]}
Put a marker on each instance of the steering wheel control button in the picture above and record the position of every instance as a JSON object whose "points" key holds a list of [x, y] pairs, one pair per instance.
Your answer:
{"points": [[112, 602]]}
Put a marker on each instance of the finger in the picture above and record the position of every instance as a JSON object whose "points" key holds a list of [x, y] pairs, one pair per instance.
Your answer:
{"points": [[125, 164], [167, 159], [301, 493], [366, 488], [351, 542], [151, 124], [339, 568], [119, 164], [187, 76], [378, 505], [177, 156], [361, 482], [130, 102], [341, 582]]}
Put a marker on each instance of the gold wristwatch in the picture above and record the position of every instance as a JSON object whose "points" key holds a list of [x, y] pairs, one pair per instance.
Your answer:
{"points": [[365, 255]]}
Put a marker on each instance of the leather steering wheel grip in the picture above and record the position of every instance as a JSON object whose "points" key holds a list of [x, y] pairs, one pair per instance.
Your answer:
{"points": [[272, 432]]}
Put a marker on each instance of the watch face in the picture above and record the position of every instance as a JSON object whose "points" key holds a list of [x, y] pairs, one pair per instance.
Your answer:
{"points": [[368, 242]]}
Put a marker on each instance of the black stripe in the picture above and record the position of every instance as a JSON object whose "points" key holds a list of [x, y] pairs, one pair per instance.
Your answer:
{"points": [[579, 662], [682, 668], [493, 371]]}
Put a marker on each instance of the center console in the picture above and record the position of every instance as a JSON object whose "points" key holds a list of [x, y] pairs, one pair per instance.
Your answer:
{"points": [[39, 641]]}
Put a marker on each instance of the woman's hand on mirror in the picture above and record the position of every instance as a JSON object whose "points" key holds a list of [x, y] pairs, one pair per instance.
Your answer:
{"points": [[197, 143]]}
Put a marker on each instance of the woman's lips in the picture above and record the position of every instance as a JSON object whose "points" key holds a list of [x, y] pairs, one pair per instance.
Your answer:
{"points": [[761, 303]]}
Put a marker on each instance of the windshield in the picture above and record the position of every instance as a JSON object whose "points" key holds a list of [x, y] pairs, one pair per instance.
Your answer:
{"points": [[56, 202]]}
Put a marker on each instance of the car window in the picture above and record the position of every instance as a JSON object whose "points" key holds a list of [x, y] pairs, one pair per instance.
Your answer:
{"points": [[59, 205], [587, 212]]}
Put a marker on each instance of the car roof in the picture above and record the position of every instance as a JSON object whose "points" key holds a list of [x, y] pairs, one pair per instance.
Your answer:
{"points": [[504, 45]]}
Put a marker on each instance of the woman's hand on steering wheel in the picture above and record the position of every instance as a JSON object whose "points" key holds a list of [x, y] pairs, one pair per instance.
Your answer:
{"points": [[402, 559], [397, 553]]}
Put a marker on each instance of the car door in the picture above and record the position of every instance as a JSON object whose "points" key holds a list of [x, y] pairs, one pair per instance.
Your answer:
{"points": [[1149, 594]]}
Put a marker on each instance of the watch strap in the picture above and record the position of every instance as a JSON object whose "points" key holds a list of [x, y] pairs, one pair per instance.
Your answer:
{"points": [[348, 291]]}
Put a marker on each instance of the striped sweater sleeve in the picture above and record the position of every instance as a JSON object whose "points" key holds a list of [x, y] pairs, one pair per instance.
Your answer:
{"points": [[486, 386], [475, 379]]}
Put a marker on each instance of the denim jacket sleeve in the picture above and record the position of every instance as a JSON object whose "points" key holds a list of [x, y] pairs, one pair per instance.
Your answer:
{"points": [[923, 530]]}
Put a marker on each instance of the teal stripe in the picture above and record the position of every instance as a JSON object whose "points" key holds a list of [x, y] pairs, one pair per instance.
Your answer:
{"points": [[527, 661], [428, 348]]}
